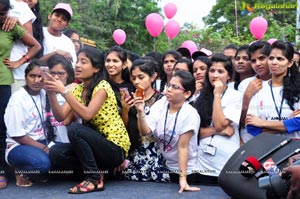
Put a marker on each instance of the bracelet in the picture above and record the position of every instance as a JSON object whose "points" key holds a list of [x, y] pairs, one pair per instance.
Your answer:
{"points": [[27, 58], [65, 92], [182, 175], [45, 147]]}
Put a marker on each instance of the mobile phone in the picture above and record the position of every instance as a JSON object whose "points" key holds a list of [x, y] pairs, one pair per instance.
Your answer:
{"points": [[139, 92], [45, 69], [124, 92]]}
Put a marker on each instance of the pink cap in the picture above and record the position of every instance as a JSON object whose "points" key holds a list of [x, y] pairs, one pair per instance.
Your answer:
{"points": [[207, 52], [64, 6]]}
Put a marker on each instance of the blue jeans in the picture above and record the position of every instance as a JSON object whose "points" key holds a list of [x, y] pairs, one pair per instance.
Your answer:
{"points": [[93, 151], [5, 93], [29, 160]]}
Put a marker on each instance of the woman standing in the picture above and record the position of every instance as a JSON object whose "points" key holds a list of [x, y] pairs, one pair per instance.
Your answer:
{"points": [[175, 124], [102, 134], [219, 107], [277, 103], [27, 145], [169, 59], [6, 77]]}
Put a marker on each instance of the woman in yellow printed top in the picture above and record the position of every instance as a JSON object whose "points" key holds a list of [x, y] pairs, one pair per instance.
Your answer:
{"points": [[102, 134]]}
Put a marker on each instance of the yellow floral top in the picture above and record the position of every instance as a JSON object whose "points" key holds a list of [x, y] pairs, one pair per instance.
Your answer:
{"points": [[107, 120]]}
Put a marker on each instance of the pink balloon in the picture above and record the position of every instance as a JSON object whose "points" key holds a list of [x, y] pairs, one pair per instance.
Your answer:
{"points": [[190, 45], [119, 36], [172, 29], [170, 10], [258, 27], [271, 41], [154, 24]]}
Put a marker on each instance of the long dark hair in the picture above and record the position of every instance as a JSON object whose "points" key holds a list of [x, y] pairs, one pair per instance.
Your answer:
{"points": [[37, 28], [291, 82], [204, 103], [97, 59]]}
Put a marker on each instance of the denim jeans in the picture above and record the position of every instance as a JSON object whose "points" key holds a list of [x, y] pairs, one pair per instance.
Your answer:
{"points": [[93, 152], [5, 93], [29, 160]]}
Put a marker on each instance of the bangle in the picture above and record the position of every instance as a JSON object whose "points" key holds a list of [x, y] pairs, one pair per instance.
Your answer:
{"points": [[65, 92], [45, 147], [27, 58], [182, 175]]}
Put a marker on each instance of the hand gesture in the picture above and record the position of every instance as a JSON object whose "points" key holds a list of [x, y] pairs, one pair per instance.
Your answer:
{"points": [[294, 171], [139, 103], [11, 64], [53, 85], [66, 54], [253, 120], [9, 23], [184, 186], [254, 86], [219, 87], [228, 131]]}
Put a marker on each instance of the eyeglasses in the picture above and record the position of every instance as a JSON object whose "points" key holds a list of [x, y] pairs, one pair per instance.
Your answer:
{"points": [[174, 86], [60, 74]]}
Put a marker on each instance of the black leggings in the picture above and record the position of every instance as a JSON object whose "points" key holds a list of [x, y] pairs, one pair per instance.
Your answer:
{"points": [[88, 150]]}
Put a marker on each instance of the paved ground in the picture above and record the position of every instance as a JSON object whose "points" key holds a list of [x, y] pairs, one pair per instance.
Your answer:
{"points": [[55, 189]]}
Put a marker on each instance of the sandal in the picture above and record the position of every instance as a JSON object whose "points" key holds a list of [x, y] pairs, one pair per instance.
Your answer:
{"points": [[85, 185], [23, 181], [3, 182]]}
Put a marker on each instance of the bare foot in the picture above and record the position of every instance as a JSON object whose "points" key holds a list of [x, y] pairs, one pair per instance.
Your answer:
{"points": [[3, 182], [23, 181]]}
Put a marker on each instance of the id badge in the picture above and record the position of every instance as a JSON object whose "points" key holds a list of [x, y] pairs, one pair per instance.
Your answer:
{"points": [[209, 149]]}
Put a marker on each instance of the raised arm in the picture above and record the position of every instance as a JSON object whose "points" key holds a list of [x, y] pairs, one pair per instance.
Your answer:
{"points": [[85, 112]]}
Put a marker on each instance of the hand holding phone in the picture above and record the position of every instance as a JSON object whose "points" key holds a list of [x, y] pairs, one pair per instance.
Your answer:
{"points": [[139, 92], [45, 69]]}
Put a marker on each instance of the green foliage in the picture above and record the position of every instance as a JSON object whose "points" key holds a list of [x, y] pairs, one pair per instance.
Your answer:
{"points": [[97, 19], [221, 22]]}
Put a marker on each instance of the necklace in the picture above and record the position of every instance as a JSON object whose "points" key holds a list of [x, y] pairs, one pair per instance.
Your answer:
{"points": [[173, 131], [281, 103]]}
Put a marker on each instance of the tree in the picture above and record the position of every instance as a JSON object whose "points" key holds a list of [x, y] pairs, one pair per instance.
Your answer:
{"points": [[97, 19], [222, 20]]}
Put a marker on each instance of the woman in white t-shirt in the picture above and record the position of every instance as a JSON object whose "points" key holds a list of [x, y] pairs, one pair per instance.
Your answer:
{"points": [[175, 124], [274, 108], [27, 149], [219, 107], [60, 68]]}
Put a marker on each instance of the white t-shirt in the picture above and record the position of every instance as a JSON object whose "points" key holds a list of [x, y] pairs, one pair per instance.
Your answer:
{"points": [[52, 43], [187, 119], [60, 129], [225, 145], [244, 84], [263, 106], [23, 117], [21, 11]]}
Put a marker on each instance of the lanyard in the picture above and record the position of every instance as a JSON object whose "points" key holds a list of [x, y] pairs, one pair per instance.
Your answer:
{"points": [[40, 114], [173, 132], [278, 111]]}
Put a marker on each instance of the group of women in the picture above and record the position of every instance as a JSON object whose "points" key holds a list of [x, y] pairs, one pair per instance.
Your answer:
{"points": [[183, 132]]}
